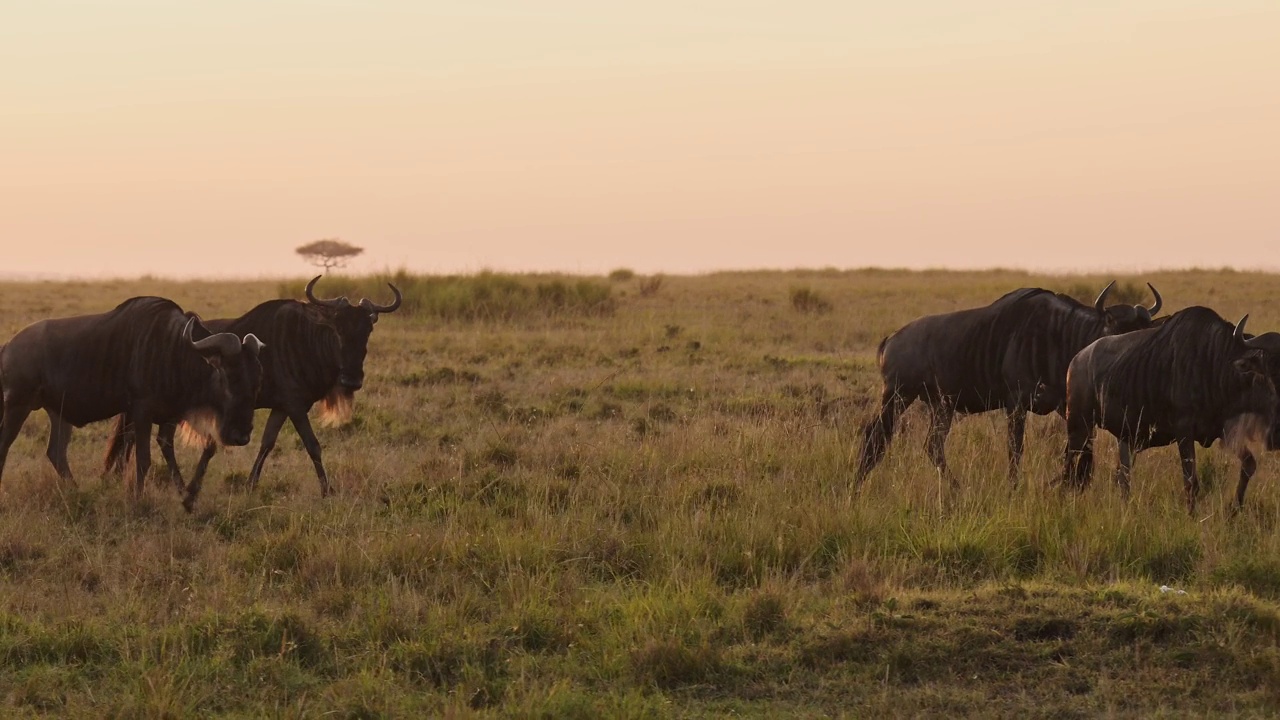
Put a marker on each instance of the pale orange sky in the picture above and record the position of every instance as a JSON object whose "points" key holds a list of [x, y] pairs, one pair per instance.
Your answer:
{"points": [[213, 138]]}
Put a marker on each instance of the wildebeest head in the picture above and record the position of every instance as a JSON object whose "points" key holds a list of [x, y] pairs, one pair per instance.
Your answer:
{"points": [[1126, 318], [233, 385], [354, 324], [1268, 346]]}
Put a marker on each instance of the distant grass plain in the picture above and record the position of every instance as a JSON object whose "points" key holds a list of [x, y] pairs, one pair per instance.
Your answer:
{"points": [[631, 496]]}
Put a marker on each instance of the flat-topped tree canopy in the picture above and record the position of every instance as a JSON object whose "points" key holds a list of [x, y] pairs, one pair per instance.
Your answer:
{"points": [[328, 253]]}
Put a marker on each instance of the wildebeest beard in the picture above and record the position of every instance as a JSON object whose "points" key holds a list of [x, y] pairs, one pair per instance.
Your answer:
{"points": [[1246, 431], [336, 407], [199, 427]]}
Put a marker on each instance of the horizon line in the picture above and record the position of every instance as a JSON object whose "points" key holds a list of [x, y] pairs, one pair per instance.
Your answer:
{"points": [[20, 277]]}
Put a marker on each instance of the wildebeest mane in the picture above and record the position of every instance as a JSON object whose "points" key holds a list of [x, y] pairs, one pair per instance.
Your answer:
{"points": [[141, 346], [304, 352], [1026, 343], [1187, 362]]}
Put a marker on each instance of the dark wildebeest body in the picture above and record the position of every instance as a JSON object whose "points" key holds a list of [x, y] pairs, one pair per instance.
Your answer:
{"points": [[1011, 355], [1194, 379], [318, 354], [146, 357]]}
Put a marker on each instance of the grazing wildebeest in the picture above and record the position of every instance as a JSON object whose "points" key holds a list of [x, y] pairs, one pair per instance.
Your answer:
{"points": [[318, 351], [1010, 355], [146, 357], [1193, 379]]}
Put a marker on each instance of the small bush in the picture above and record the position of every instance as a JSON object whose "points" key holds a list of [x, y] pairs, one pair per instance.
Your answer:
{"points": [[669, 664], [503, 456], [622, 274], [807, 300], [650, 286], [765, 614]]}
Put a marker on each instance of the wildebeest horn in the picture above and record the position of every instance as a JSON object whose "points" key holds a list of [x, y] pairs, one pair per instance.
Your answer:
{"points": [[1159, 301], [252, 342], [1239, 333], [1102, 297], [371, 306], [225, 343], [334, 302]]}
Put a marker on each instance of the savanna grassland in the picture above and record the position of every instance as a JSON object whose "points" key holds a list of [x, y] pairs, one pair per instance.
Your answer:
{"points": [[631, 496]]}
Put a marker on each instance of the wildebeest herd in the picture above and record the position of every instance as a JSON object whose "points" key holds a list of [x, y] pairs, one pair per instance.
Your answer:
{"points": [[147, 362], [1151, 381], [1186, 378]]}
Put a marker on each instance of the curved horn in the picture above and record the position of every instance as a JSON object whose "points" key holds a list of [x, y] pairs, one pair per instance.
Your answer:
{"points": [[1159, 300], [334, 302], [370, 305], [1239, 331], [224, 343], [252, 342], [186, 329], [1102, 297]]}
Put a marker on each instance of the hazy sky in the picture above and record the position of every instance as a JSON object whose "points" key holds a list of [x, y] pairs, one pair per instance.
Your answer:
{"points": [[211, 138]]}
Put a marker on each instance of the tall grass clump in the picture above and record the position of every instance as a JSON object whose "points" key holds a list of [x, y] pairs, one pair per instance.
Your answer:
{"points": [[808, 300], [650, 286], [485, 296]]}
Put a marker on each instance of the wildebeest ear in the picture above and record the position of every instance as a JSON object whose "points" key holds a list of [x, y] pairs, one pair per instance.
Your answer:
{"points": [[1253, 361], [253, 344], [198, 330]]}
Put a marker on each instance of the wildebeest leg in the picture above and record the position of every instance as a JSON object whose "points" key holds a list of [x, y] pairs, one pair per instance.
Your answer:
{"points": [[877, 433], [1248, 466], [15, 414], [210, 449], [164, 438], [141, 449], [939, 427], [1017, 434], [1078, 462], [269, 433], [1124, 469], [1190, 479], [197, 478], [309, 441], [59, 437]]}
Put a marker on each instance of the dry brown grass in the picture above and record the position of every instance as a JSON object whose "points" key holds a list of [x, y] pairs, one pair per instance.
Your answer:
{"points": [[642, 513]]}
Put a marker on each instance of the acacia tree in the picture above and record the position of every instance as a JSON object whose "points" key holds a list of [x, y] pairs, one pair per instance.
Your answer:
{"points": [[328, 253]]}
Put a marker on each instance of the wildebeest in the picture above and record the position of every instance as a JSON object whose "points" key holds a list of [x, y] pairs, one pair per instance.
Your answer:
{"points": [[146, 357], [1193, 379], [1010, 355], [318, 354]]}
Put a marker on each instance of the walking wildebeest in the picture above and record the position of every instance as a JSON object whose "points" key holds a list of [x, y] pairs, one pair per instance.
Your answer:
{"points": [[1193, 379], [318, 351], [146, 357], [1010, 355]]}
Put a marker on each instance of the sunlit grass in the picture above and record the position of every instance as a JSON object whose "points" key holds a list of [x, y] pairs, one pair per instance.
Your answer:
{"points": [[639, 513]]}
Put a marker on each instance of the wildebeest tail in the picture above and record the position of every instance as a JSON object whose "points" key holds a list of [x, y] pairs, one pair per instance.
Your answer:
{"points": [[119, 447], [2, 347]]}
